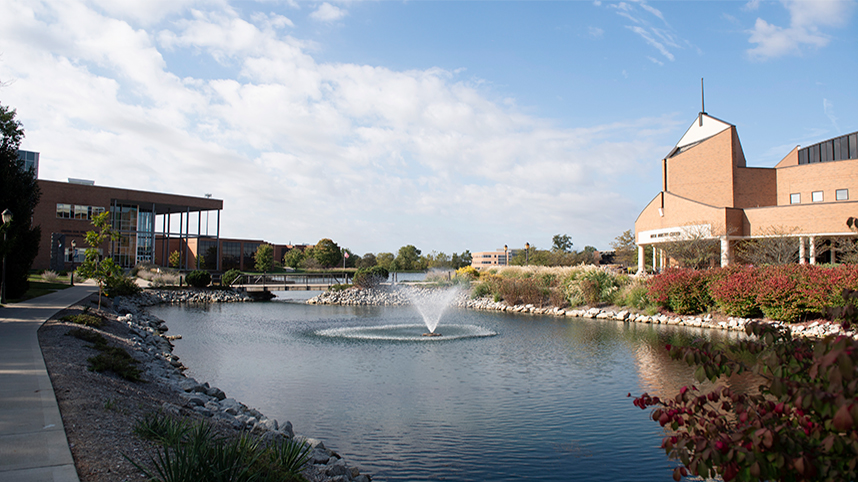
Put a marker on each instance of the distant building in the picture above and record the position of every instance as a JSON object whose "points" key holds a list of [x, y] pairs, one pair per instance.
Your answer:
{"points": [[485, 259], [30, 160], [708, 190]]}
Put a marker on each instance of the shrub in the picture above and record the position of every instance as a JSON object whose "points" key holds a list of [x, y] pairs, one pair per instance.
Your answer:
{"points": [[85, 319], [683, 291], [523, 291], [191, 453], [467, 272], [634, 294], [370, 277], [734, 291], [590, 291], [230, 277], [199, 278], [120, 286], [115, 359], [49, 276]]}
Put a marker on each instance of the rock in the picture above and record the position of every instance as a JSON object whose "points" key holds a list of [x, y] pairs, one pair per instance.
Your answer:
{"points": [[216, 393]]}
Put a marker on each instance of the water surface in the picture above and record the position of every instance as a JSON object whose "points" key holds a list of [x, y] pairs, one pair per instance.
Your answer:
{"points": [[543, 399]]}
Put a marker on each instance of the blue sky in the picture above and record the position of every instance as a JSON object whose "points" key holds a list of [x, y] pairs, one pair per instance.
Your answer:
{"points": [[449, 125]]}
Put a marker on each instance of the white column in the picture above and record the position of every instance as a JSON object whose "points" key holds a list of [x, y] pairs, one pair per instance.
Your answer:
{"points": [[641, 260], [654, 258], [801, 259], [812, 244], [726, 255]]}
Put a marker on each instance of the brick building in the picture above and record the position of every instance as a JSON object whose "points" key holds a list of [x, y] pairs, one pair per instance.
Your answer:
{"points": [[66, 210], [708, 190]]}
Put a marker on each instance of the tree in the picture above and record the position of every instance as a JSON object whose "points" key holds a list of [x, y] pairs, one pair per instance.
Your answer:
{"points": [[625, 249], [352, 259], [801, 426], [367, 261], [694, 248], [264, 258], [19, 193], [293, 258], [175, 259], [96, 267], [562, 243], [778, 245], [386, 261], [437, 260], [408, 258], [327, 253]]}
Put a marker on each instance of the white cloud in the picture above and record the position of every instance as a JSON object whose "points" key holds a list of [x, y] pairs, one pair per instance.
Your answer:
{"points": [[645, 34], [328, 13], [662, 39], [595, 32], [807, 18], [655, 60], [374, 158], [828, 108]]}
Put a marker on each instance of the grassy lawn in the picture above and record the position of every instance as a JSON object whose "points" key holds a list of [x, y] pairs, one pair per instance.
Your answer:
{"points": [[40, 288]]}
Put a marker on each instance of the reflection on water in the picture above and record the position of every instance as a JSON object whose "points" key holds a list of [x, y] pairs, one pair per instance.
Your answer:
{"points": [[544, 399]]}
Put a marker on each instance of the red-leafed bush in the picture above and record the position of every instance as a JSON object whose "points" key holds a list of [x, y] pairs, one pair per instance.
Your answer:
{"points": [[734, 291], [682, 291]]}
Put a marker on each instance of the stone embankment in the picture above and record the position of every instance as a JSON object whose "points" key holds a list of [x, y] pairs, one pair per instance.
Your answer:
{"points": [[382, 297], [156, 297], [162, 366]]}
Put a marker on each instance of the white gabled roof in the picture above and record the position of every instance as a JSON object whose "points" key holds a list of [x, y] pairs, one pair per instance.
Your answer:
{"points": [[697, 132]]}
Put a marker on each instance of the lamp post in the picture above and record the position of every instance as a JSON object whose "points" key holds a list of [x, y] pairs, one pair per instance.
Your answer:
{"points": [[74, 252], [7, 220], [527, 254], [505, 255]]}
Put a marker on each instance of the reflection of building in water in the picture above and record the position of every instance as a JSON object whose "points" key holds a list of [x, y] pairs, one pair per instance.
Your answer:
{"points": [[662, 376]]}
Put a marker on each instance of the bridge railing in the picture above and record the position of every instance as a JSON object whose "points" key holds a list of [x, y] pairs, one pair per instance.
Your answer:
{"points": [[293, 279]]}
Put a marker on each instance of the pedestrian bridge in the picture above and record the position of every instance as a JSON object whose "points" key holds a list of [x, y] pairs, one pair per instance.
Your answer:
{"points": [[289, 282]]}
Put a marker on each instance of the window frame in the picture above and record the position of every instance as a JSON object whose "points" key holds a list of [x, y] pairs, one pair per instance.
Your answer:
{"points": [[838, 192], [813, 197], [795, 198]]}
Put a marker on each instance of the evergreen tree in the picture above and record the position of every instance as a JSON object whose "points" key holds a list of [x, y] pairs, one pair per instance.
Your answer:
{"points": [[19, 193]]}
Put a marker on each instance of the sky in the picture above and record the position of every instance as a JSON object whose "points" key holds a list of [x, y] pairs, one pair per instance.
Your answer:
{"points": [[448, 125]]}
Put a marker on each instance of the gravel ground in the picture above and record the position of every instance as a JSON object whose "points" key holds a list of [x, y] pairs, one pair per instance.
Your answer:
{"points": [[99, 410]]}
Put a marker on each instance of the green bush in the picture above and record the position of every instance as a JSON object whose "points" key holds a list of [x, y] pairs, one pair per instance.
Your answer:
{"points": [[199, 278], [85, 319], [120, 286], [116, 360], [192, 453], [370, 277], [230, 277], [634, 295]]}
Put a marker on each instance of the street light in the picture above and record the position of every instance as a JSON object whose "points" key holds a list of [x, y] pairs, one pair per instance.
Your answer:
{"points": [[505, 256], [74, 251], [7, 220], [527, 254]]}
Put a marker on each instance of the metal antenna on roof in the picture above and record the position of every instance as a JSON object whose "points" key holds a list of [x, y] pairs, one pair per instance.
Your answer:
{"points": [[702, 104]]}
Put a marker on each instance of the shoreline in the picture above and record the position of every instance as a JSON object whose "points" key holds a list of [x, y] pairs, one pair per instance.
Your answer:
{"points": [[384, 297], [100, 409]]}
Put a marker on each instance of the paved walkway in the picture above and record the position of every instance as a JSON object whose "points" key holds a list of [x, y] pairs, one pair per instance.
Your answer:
{"points": [[33, 445]]}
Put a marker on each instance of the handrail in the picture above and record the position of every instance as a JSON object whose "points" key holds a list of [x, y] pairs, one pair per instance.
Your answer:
{"points": [[298, 279]]}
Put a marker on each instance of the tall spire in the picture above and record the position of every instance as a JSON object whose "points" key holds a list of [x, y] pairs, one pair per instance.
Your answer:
{"points": [[702, 104]]}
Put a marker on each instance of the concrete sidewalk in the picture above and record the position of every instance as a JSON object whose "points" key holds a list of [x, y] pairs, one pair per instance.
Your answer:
{"points": [[33, 445]]}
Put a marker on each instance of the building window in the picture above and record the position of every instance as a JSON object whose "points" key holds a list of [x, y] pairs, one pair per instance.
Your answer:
{"points": [[795, 198], [816, 196], [64, 211], [81, 212], [841, 194]]}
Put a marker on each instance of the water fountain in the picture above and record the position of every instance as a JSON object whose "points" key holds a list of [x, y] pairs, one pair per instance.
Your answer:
{"points": [[431, 304]]}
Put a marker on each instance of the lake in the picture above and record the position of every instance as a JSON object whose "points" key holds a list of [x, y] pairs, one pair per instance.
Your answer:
{"points": [[544, 398]]}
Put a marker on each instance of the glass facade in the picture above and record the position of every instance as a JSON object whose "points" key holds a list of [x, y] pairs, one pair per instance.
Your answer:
{"points": [[30, 160], [231, 255], [250, 255], [136, 227], [207, 254]]}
